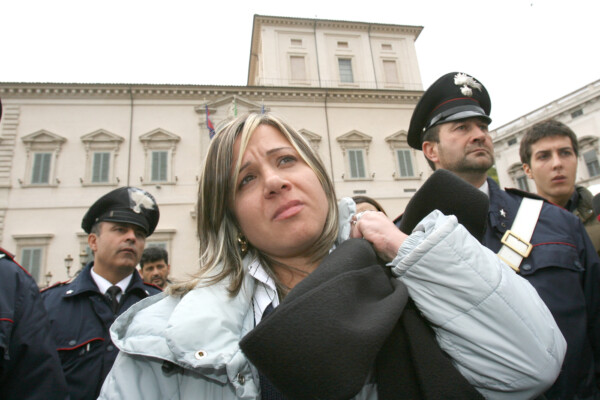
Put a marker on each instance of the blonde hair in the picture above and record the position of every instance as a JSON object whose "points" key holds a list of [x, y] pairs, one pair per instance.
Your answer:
{"points": [[218, 229]]}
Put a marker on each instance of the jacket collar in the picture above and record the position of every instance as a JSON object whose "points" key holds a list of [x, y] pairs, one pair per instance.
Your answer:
{"points": [[84, 283]]}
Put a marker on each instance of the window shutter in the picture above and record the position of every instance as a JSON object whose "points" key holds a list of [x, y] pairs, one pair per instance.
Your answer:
{"points": [[405, 163], [41, 168], [159, 166], [390, 71], [32, 260], [345, 65], [101, 167]]}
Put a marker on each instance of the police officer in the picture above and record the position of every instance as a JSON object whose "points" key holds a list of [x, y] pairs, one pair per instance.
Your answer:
{"points": [[450, 126], [82, 311], [29, 364]]}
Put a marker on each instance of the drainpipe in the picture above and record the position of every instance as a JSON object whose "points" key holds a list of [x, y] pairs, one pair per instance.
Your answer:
{"points": [[317, 53], [130, 135]]}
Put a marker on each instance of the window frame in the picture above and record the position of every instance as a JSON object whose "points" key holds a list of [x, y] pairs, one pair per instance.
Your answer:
{"points": [[34, 241], [42, 142], [398, 142], [101, 141], [350, 142], [341, 73], [159, 140]]}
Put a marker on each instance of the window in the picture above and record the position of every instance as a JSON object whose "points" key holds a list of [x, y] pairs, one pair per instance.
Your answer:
{"points": [[41, 168], [31, 260], [102, 148], [591, 161], [101, 167], [522, 183], [298, 68], [159, 166], [405, 164], [402, 156], [355, 146], [577, 113], [345, 65], [31, 251], [357, 164], [43, 149], [159, 148], [391, 71], [162, 238], [518, 176], [512, 141]]}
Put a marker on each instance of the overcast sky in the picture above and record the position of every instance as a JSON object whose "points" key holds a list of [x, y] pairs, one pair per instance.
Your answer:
{"points": [[527, 53]]}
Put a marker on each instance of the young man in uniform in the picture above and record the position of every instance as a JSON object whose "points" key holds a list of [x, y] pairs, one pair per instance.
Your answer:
{"points": [[545, 244], [549, 152], [154, 266], [82, 311]]}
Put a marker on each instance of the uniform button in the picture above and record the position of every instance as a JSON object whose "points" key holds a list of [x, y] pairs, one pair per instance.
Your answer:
{"points": [[526, 267], [503, 225], [110, 347], [69, 291], [241, 379], [147, 292], [72, 342], [578, 264], [200, 354]]}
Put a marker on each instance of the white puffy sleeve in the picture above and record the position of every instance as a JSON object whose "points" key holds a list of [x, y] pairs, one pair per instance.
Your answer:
{"points": [[490, 321]]}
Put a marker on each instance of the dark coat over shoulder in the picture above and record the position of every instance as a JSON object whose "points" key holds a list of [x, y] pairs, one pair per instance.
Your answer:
{"points": [[80, 319], [29, 364]]}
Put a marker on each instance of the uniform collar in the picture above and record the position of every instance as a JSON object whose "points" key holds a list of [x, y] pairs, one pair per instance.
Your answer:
{"points": [[104, 284], [85, 283]]}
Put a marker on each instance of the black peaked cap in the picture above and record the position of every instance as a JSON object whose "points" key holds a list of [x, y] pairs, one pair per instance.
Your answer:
{"points": [[128, 205], [452, 97]]}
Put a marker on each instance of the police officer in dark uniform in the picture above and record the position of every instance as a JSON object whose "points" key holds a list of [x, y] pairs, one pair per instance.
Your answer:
{"points": [[29, 364], [450, 126], [82, 311]]}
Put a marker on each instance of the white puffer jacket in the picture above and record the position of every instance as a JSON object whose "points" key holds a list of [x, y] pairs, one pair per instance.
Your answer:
{"points": [[492, 323]]}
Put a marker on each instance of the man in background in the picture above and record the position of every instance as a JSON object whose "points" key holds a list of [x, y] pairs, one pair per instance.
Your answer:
{"points": [[82, 311], [154, 266], [549, 152]]}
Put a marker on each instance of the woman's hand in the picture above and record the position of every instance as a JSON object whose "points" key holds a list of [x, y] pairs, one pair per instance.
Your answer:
{"points": [[376, 227]]}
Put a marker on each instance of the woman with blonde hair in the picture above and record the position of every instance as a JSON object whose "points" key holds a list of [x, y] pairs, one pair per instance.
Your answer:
{"points": [[292, 301]]}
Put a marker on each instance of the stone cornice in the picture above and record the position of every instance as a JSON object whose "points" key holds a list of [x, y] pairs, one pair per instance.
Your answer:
{"points": [[202, 93], [336, 24]]}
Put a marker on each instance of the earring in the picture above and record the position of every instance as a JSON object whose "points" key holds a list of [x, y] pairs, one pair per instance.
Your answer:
{"points": [[243, 243]]}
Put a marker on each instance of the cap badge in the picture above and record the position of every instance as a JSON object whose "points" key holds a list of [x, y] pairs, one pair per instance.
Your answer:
{"points": [[467, 84], [140, 199]]}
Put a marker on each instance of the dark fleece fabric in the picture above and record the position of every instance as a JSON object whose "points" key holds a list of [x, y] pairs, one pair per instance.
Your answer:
{"points": [[451, 195], [345, 318]]}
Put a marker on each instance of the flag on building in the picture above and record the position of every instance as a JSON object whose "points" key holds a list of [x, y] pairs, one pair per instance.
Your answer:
{"points": [[209, 124]]}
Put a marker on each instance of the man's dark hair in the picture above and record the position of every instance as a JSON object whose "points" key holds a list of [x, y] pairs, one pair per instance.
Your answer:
{"points": [[545, 129], [431, 135], [152, 254]]}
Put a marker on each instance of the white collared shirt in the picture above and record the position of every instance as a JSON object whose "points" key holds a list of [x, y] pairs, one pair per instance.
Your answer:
{"points": [[266, 291], [485, 188], [103, 284]]}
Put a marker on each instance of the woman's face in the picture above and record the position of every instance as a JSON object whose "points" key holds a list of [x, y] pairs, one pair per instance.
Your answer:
{"points": [[364, 206], [280, 204]]}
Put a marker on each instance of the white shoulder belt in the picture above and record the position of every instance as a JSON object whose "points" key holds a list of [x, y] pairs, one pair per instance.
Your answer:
{"points": [[515, 242]]}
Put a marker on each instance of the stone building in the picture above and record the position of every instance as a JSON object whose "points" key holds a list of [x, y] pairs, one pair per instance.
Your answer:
{"points": [[580, 110], [350, 87]]}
